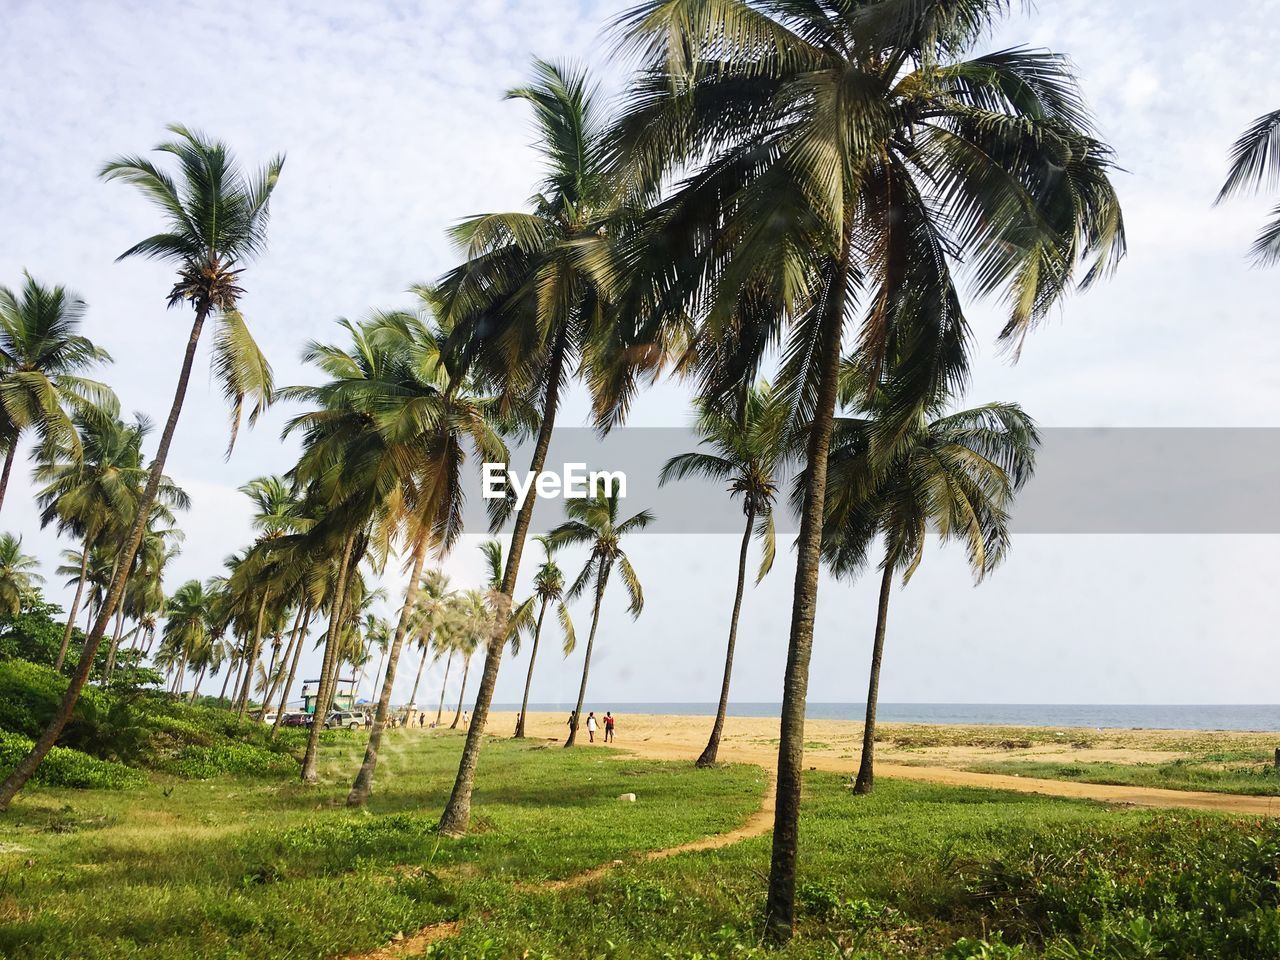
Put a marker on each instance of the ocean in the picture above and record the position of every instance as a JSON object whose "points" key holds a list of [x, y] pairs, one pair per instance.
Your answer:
{"points": [[1257, 717]]}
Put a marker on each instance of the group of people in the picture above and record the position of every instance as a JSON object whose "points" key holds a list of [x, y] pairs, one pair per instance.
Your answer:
{"points": [[593, 725]]}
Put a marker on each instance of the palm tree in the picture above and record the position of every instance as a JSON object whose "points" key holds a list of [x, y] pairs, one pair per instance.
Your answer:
{"points": [[748, 447], [955, 477], [430, 610], [17, 575], [1253, 166], [91, 490], [186, 629], [42, 358], [817, 166], [548, 590], [594, 521], [528, 306], [216, 219], [471, 623], [433, 418]]}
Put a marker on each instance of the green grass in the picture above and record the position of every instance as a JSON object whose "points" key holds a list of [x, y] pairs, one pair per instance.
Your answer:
{"points": [[267, 868], [1222, 773]]}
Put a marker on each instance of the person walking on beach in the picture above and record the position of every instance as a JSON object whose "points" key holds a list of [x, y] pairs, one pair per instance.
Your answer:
{"points": [[465, 720], [591, 727], [608, 727]]}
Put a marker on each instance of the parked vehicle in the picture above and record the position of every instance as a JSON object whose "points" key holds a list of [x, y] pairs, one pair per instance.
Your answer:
{"points": [[296, 720], [268, 718], [351, 720]]}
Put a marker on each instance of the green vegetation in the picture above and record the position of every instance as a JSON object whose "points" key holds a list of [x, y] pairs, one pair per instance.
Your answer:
{"points": [[270, 868], [1217, 773]]}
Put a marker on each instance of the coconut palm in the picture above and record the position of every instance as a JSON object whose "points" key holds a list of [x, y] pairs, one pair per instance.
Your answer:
{"points": [[594, 522], [91, 489], [42, 360], [821, 166], [430, 420], [548, 591], [216, 220], [1253, 166], [18, 575], [954, 477], [748, 446], [186, 629], [430, 609], [470, 624], [529, 305]]}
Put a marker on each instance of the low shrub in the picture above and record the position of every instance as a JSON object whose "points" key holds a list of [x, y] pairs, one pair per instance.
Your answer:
{"points": [[199, 762], [29, 695], [64, 767]]}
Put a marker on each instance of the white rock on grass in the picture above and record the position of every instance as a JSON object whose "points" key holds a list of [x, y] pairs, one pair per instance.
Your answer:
{"points": [[628, 798]]}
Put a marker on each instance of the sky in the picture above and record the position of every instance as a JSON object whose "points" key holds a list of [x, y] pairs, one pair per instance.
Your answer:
{"points": [[393, 119]]}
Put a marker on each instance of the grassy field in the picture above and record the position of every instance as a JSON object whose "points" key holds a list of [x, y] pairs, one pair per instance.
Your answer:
{"points": [[265, 868], [1213, 773]]}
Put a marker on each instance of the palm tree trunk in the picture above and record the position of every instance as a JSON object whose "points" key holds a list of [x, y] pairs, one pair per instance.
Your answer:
{"points": [[328, 667], [226, 677], [466, 668], [586, 663], [363, 784], [110, 665], [780, 907], [422, 662], [457, 812], [195, 691], [180, 675], [277, 677], [443, 686], [75, 608], [708, 757], [528, 680], [8, 468], [866, 771], [253, 654], [293, 667]]}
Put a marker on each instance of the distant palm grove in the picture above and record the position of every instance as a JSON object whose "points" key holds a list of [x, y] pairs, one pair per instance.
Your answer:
{"points": [[789, 208]]}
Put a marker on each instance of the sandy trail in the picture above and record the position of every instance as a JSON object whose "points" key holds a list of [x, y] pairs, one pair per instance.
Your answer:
{"points": [[836, 744]]}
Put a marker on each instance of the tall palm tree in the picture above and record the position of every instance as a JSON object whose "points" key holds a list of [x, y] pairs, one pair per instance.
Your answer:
{"points": [[91, 490], [216, 219], [186, 629], [955, 476], [529, 305], [548, 591], [594, 522], [819, 166], [430, 610], [18, 575], [42, 360], [748, 446], [472, 623], [1253, 166], [434, 419]]}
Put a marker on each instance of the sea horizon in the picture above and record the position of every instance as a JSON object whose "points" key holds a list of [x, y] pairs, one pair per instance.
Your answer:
{"points": [[1117, 716]]}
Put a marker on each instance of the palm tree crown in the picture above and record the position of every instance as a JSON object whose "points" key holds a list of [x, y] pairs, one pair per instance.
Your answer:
{"points": [[1253, 166], [18, 575]]}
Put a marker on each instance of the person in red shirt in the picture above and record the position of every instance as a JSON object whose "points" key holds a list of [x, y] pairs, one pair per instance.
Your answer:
{"points": [[608, 727]]}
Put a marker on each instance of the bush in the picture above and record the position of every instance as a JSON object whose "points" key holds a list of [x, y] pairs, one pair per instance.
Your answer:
{"points": [[29, 695], [64, 767], [229, 759], [1173, 889]]}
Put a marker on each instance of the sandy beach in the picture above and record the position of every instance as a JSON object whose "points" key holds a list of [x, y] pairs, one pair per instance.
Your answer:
{"points": [[937, 754]]}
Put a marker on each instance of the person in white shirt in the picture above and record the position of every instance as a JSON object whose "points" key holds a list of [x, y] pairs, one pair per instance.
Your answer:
{"points": [[591, 727]]}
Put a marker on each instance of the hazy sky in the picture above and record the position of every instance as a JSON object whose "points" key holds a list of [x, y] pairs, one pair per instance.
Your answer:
{"points": [[393, 120]]}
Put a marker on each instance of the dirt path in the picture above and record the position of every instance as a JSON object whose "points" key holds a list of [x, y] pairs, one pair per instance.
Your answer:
{"points": [[682, 738]]}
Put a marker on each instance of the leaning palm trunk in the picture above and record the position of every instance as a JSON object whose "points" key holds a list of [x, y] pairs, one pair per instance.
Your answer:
{"points": [[422, 662], [466, 668], [528, 680], [110, 665], [708, 756], [866, 769], [780, 907], [226, 677], [586, 663], [293, 667], [277, 676], [8, 468], [243, 698], [328, 670], [195, 691], [75, 608], [443, 686], [457, 812], [363, 785]]}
